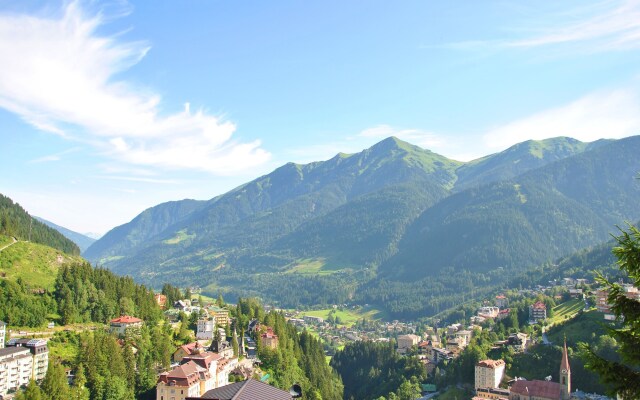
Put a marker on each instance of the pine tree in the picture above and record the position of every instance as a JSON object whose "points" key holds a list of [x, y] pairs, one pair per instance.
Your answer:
{"points": [[55, 385], [623, 377], [32, 392]]}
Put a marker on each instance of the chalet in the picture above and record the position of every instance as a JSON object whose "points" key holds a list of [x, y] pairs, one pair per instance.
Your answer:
{"points": [[121, 325]]}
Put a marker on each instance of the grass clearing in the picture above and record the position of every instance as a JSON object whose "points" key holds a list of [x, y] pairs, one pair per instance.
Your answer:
{"points": [[348, 316], [180, 236], [565, 311]]}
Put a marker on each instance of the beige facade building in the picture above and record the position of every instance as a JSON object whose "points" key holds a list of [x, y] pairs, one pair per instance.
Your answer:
{"points": [[3, 333], [221, 315], [16, 368], [186, 380], [39, 354], [406, 342], [121, 325], [489, 374]]}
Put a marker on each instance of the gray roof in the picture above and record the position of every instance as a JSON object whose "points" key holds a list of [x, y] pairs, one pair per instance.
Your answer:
{"points": [[247, 390], [12, 350]]}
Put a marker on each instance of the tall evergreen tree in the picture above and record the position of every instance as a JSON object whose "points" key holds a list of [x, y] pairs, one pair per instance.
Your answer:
{"points": [[55, 385], [624, 377]]}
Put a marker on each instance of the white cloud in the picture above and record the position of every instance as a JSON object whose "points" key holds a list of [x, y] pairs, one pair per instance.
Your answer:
{"points": [[610, 114], [58, 74], [592, 28], [54, 157]]}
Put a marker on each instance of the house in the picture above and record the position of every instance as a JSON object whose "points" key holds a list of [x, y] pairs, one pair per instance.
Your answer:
{"points": [[575, 293], [406, 342], [504, 313], [602, 303], [206, 327], [269, 339], [501, 301], [161, 300], [313, 320], [225, 366], [518, 341], [537, 312], [39, 354], [121, 325], [246, 390], [186, 380], [186, 350], [221, 347], [489, 373], [253, 325], [463, 337], [206, 360]]}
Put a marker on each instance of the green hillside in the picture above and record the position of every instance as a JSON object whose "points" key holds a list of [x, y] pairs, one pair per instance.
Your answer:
{"points": [[81, 240], [16, 222], [34, 263]]}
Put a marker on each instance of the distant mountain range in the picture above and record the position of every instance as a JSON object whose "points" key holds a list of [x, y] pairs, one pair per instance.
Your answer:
{"points": [[359, 224], [81, 240]]}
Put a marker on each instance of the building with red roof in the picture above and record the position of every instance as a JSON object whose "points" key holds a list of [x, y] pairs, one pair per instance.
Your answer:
{"points": [[121, 325], [537, 312], [186, 380]]}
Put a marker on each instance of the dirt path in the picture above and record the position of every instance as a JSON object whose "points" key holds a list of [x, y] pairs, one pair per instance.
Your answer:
{"points": [[10, 244]]}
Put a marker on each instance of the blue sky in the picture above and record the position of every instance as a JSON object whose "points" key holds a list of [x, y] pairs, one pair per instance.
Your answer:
{"points": [[107, 109]]}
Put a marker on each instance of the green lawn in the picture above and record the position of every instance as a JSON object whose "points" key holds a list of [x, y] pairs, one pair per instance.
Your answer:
{"points": [[180, 237], [565, 311], [585, 327], [348, 316], [311, 266]]}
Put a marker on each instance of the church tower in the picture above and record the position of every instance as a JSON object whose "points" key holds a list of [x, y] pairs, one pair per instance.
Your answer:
{"points": [[565, 374]]}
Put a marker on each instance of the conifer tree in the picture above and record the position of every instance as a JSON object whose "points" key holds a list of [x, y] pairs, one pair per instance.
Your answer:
{"points": [[55, 385], [623, 377]]}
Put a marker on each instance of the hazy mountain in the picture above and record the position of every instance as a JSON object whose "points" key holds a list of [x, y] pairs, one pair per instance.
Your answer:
{"points": [[537, 216], [393, 212], [16, 222], [81, 240]]}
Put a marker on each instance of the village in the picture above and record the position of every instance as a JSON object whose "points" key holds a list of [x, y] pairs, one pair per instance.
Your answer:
{"points": [[221, 353]]}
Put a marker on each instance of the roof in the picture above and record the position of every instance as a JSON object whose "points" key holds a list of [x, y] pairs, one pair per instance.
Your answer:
{"points": [[247, 390], [490, 363], [564, 364], [125, 319], [13, 350], [539, 305], [184, 375], [543, 389], [2, 323]]}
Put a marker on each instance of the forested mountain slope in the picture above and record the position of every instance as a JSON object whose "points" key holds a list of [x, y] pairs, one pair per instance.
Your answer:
{"points": [[81, 240]]}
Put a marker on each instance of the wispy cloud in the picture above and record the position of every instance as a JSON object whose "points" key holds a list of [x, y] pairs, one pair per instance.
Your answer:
{"points": [[605, 26], [59, 75], [139, 179], [54, 157], [604, 114]]}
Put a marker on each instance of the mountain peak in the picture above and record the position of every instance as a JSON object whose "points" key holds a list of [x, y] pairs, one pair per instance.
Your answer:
{"points": [[392, 143]]}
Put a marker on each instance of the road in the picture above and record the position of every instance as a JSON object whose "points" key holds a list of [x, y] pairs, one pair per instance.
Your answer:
{"points": [[10, 244]]}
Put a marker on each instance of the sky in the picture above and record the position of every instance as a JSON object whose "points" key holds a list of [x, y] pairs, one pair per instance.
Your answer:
{"points": [[109, 108]]}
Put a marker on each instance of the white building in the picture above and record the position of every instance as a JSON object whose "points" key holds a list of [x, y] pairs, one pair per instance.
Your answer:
{"points": [[206, 328], [488, 312], [39, 354], [16, 368], [3, 332], [489, 373], [186, 380], [120, 326]]}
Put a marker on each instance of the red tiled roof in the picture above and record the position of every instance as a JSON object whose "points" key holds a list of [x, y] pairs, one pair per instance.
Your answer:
{"points": [[126, 319], [541, 389], [539, 305]]}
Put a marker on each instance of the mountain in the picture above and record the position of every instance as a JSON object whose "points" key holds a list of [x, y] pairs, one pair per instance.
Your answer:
{"points": [[537, 216], [81, 240], [382, 224], [16, 222]]}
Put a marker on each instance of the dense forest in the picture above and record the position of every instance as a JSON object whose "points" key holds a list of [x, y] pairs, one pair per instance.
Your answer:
{"points": [[374, 370], [299, 357], [16, 222]]}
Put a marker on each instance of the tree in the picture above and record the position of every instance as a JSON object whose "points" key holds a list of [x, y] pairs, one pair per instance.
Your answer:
{"points": [[32, 392], [55, 385], [624, 377]]}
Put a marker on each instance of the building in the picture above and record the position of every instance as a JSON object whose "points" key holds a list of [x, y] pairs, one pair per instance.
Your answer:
{"points": [[220, 314], [161, 300], [489, 374], [518, 341], [545, 390], [463, 337], [39, 354], [537, 312], [313, 320], [602, 304], [538, 390], [488, 312], [406, 342], [16, 368], [565, 374], [269, 339], [246, 390], [186, 380], [491, 394], [501, 301], [3, 333], [121, 325], [206, 328], [186, 350]]}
